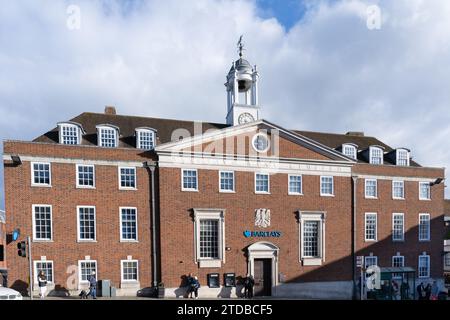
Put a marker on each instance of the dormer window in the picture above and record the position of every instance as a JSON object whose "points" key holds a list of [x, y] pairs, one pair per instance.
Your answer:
{"points": [[145, 138], [402, 157], [70, 133], [107, 136], [376, 155], [349, 150]]}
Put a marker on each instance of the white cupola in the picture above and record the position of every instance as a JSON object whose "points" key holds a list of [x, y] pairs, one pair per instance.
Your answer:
{"points": [[242, 91]]}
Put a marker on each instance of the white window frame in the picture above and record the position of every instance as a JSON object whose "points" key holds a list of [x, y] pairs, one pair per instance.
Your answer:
{"points": [[397, 155], [268, 183], [365, 227], [428, 238], [120, 178], [354, 152], [138, 137], [121, 227], [78, 224], [428, 266], [79, 186], [35, 262], [34, 222], [100, 128], [447, 259], [220, 182], [376, 189], [84, 282], [122, 274], [182, 180], [34, 184], [420, 190], [393, 226], [393, 190], [395, 276], [289, 185], [209, 214], [332, 186], [69, 125], [366, 265], [312, 216], [371, 151], [264, 136]]}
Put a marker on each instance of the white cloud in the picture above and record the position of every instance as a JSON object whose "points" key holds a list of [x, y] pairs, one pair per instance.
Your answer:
{"points": [[169, 59]]}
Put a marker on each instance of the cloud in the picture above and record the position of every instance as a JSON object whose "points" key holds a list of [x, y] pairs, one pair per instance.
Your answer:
{"points": [[328, 72]]}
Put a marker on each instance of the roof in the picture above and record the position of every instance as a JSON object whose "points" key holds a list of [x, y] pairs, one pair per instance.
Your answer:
{"points": [[165, 128], [2, 216]]}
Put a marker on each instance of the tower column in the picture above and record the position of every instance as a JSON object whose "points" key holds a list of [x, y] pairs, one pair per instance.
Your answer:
{"points": [[235, 89]]}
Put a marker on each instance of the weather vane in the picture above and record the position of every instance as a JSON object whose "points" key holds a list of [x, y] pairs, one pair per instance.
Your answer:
{"points": [[240, 46]]}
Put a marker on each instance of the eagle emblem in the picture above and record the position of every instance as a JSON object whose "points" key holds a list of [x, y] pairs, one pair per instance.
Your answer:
{"points": [[262, 218]]}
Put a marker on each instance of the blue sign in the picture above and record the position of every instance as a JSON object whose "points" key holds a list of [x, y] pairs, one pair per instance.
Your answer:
{"points": [[15, 234], [262, 234]]}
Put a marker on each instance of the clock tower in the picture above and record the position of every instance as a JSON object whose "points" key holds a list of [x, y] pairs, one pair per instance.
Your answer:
{"points": [[242, 91]]}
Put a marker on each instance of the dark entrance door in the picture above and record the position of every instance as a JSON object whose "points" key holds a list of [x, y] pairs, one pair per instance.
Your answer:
{"points": [[263, 277]]}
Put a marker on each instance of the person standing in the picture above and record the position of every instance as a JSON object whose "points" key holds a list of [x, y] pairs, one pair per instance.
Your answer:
{"points": [[421, 291], [42, 282], [428, 292], [196, 286], [93, 285], [434, 291], [190, 285], [248, 286]]}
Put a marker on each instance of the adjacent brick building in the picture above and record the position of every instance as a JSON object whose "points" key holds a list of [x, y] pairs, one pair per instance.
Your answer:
{"points": [[145, 201]]}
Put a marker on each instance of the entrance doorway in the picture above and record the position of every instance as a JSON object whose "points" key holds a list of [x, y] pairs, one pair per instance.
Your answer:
{"points": [[263, 277]]}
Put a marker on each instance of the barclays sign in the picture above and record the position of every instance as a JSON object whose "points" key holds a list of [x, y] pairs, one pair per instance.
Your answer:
{"points": [[262, 234]]}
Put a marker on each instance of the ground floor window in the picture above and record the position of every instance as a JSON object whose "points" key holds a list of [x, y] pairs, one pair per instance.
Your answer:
{"points": [[85, 268], [209, 238], [398, 261], [129, 270], [424, 266], [312, 229], [46, 267], [447, 259]]}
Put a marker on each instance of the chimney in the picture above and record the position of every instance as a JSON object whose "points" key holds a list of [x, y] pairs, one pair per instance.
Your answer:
{"points": [[110, 110], [355, 133]]}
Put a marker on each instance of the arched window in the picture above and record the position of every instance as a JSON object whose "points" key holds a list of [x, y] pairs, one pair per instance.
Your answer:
{"points": [[350, 150], [376, 155], [402, 157], [107, 136], [70, 133], [145, 138]]}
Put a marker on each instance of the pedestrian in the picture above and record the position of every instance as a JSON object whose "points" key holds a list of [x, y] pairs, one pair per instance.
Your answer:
{"points": [[42, 281], [196, 286], [93, 286], [190, 285], [434, 290], [248, 286], [428, 292], [421, 291]]}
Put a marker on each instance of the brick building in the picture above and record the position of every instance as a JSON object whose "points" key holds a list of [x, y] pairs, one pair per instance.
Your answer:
{"points": [[145, 201], [3, 270]]}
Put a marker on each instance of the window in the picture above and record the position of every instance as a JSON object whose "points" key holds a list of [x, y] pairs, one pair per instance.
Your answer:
{"points": [[398, 262], [127, 178], [402, 157], [42, 221], [376, 155], [371, 188], [295, 185], [260, 142], [226, 183], [40, 174], [447, 259], [424, 191], [189, 180], [349, 151], [107, 136], [424, 266], [371, 227], [424, 227], [145, 139], [262, 184], [128, 224], [209, 239], [85, 176], [312, 238], [398, 189], [47, 267], [129, 270], [397, 227], [86, 223], [370, 261], [85, 268], [326, 186], [69, 134]]}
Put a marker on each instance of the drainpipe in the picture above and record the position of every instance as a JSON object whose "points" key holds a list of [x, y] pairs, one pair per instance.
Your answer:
{"points": [[151, 166], [354, 178]]}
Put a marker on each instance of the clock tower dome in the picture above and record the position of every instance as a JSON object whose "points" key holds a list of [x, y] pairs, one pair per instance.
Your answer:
{"points": [[242, 91]]}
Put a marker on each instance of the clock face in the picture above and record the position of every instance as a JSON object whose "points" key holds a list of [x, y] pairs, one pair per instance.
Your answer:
{"points": [[245, 118]]}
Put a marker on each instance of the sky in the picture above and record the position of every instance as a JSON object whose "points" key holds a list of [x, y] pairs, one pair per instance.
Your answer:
{"points": [[325, 65]]}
